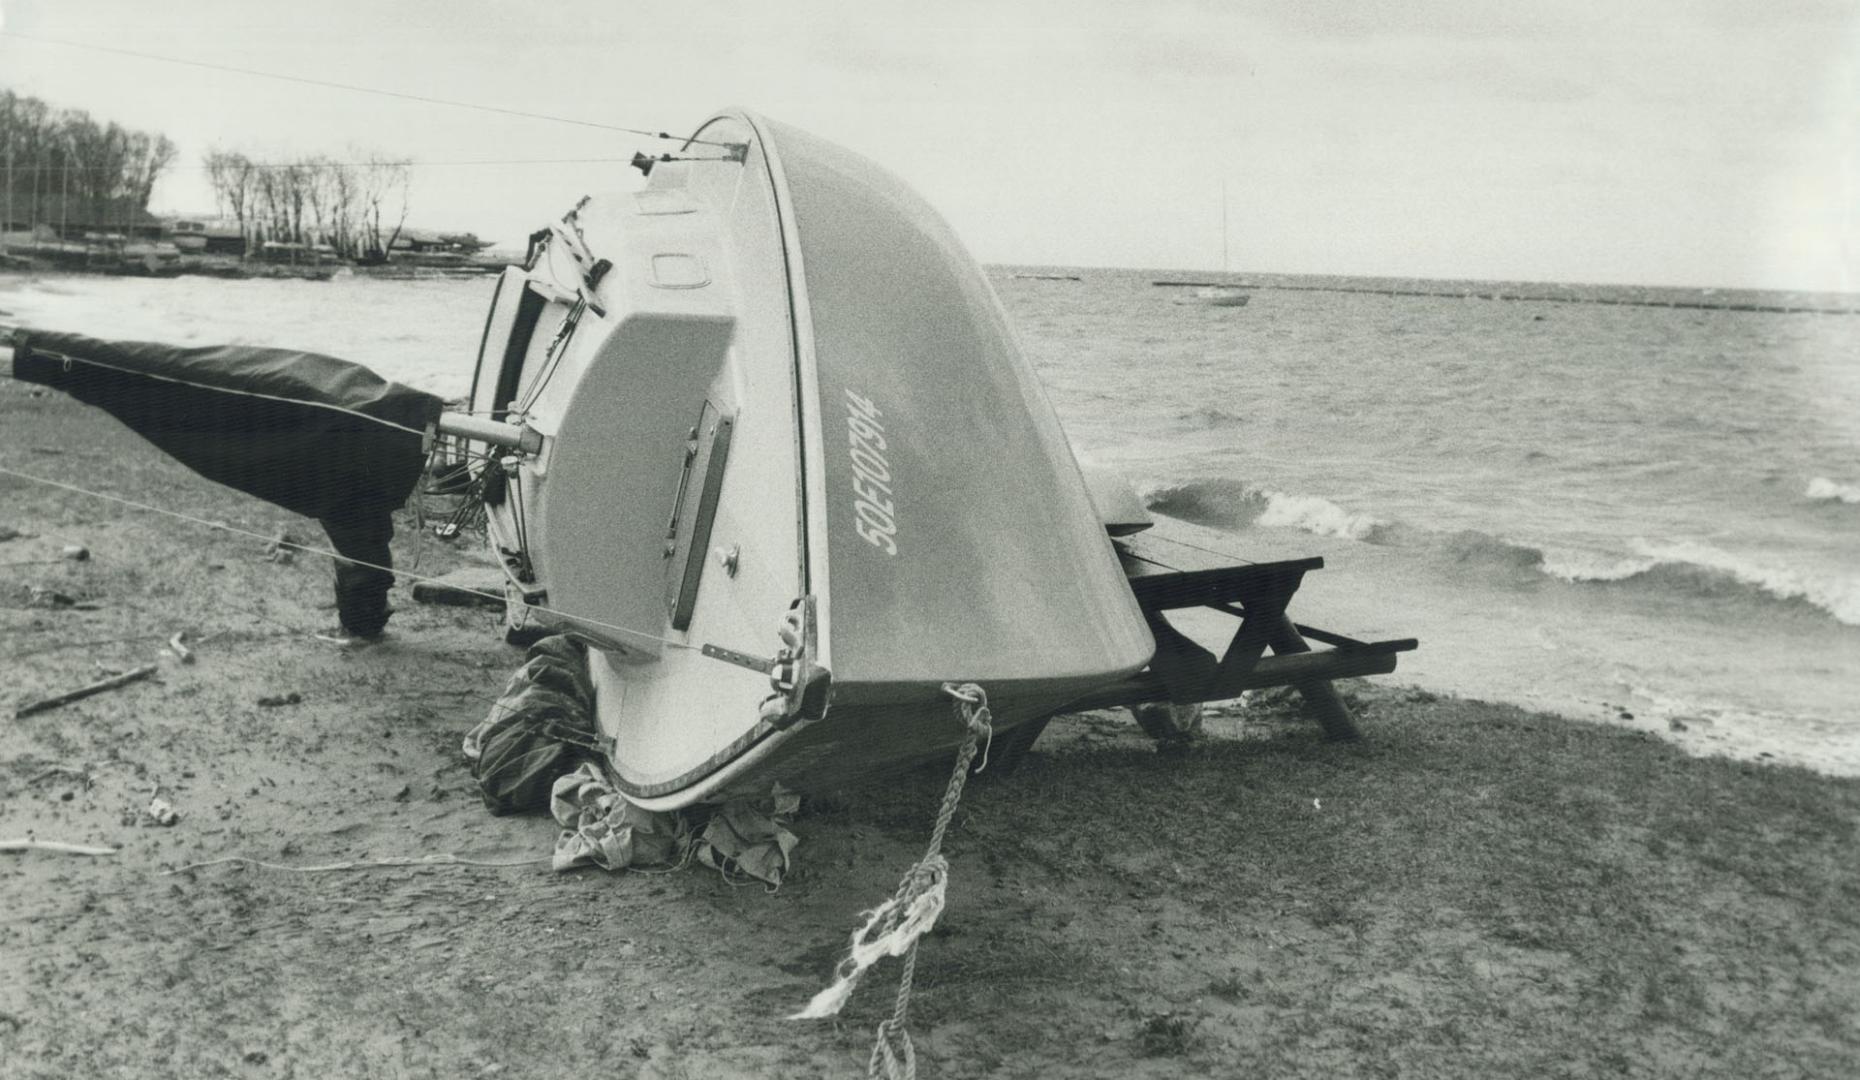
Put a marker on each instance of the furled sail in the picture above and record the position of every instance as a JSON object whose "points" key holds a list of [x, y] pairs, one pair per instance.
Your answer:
{"points": [[318, 436]]}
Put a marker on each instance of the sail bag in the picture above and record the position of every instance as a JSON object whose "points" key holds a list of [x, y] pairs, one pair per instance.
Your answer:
{"points": [[316, 435]]}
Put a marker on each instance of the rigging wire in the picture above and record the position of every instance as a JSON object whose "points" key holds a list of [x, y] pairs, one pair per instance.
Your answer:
{"points": [[229, 390], [361, 89], [281, 165], [308, 550]]}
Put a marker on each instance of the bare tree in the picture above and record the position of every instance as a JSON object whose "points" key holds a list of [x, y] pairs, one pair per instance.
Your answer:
{"points": [[233, 177], [358, 209], [383, 188]]}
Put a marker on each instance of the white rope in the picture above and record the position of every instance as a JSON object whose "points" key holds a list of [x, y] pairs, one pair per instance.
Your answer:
{"points": [[895, 926], [439, 859]]}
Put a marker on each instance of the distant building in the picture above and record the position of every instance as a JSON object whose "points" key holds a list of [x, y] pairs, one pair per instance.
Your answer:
{"points": [[421, 247], [203, 235]]}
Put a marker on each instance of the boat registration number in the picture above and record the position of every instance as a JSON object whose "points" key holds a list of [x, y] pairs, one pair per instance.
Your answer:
{"points": [[875, 516]]}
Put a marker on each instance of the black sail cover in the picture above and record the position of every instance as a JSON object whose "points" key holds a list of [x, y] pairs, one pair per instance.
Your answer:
{"points": [[297, 429]]}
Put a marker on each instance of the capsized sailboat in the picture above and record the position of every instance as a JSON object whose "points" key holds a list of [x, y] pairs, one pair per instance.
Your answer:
{"points": [[791, 444], [761, 437]]}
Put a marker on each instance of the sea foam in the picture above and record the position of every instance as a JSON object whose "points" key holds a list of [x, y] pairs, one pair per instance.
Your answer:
{"points": [[1822, 489], [1236, 504], [1700, 567]]}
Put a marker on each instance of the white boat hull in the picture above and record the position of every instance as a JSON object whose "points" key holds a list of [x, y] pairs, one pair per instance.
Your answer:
{"points": [[867, 436]]}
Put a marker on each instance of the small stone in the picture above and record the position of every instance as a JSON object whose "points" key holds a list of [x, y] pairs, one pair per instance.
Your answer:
{"points": [[74, 552]]}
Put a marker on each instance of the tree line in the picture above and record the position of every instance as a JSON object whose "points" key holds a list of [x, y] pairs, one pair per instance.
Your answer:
{"points": [[62, 168], [60, 165], [357, 208]]}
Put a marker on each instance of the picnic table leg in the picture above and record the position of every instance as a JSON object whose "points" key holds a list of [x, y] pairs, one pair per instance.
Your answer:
{"points": [[1319, 694]]}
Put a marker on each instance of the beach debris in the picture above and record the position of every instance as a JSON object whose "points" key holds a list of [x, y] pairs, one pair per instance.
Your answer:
{"points": [[278, 550], [342, 638], [59, 846], [601, 828], [7, 532], [436, 859], [465, 587], [161, 812], [274, 701], [50, 771], [74, 553], [177, 645], [98, 687], [39, 596], [750, 838], [1167, 723]]}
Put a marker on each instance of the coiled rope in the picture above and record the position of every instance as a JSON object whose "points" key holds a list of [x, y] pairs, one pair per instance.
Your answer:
{"points": [[894, 927]]}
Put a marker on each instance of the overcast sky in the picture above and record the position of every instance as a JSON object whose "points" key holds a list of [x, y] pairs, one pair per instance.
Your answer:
{"points": [[1706, 142]]}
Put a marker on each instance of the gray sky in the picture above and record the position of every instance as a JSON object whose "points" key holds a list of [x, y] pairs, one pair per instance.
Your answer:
{"points": [[1707, 142]]}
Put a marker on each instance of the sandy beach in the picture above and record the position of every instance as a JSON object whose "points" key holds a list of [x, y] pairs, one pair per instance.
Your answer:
{"points": [[1473, 890]]}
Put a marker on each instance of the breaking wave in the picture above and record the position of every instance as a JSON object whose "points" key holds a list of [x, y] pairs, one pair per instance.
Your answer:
{"points": [[1685, 569], [1681, 569], [1822, 489], [1233, 504], [1705, 570]]}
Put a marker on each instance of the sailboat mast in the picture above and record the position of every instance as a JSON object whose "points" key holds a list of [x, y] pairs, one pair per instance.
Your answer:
{"points": [[1223, 226]]}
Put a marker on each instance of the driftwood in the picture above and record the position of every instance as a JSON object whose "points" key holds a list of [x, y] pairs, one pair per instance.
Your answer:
{"points": [[69, 696], [54, 845]]}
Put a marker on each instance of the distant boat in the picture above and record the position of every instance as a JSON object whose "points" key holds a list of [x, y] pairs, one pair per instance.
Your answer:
{"points": [[1217, 296], [1212, 293]]}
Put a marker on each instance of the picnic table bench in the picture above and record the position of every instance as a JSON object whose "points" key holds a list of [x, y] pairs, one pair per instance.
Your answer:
{"points": [[1168, 575]]}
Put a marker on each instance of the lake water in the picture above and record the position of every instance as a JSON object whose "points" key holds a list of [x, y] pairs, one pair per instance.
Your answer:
{"points": [[1644, 515]]}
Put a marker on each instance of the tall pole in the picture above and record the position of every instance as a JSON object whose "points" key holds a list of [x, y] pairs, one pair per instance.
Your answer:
{"points": [[8, 224], [1223, 226]]}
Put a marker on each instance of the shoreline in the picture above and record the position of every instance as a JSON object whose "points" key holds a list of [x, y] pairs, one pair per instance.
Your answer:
{"points": [[1440, 898], [1588, 657], [231, 268]]}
